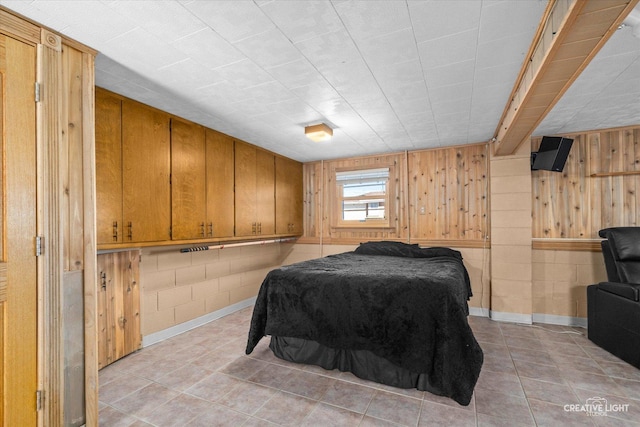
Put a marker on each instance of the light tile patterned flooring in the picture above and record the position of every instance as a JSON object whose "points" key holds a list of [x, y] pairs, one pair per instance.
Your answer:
{"points": [[203, 378]]}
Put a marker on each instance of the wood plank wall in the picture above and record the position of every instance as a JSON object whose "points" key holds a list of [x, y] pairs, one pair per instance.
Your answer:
{"points": [[597, 188], [451, 183], [448, 193]]}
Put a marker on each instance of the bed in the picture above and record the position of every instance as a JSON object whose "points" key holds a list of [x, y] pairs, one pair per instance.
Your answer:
{"points": [[389, 312]]}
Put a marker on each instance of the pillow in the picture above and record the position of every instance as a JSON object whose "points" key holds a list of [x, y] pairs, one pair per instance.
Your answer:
{"points": [[437, 251], [387, 248], [390, 248]]}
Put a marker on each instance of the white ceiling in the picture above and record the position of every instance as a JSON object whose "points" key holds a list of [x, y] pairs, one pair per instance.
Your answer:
{"points": [[388, 76]]}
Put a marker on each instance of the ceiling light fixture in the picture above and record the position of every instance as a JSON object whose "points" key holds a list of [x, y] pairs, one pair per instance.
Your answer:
{"points": [[319, 132]]}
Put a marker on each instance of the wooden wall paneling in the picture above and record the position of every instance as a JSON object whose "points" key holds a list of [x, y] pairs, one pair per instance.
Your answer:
{"points": [[632, 163], [634, 134], [73, 137], [146, 169], [108, 169], [50, 138], [90, 242], [119, 305], [108, 267], [575, 176], [597, 189], [220, 181], [188, 180], [103, 300], [479, 193], [312, 200], [131, 301], [595, 185], [448, 193], [417, 195], [617, 162]]}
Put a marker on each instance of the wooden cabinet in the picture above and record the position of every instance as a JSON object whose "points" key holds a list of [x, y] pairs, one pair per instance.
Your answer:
{"points": [[188, 185], [219, 182], [255, 191], [162, 179], [118, 306], [146, 160], [132, 171], [289, 197], [202, 173], [108, 129]]}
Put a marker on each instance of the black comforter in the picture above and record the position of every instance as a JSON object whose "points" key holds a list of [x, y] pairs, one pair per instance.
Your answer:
{"points": [[410, 311]]}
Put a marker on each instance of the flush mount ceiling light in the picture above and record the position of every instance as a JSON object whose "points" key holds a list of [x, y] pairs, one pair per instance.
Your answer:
{"points": [[319, 132]]}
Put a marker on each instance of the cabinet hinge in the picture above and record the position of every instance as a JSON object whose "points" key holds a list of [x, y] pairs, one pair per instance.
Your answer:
{"points": [[37, 91], [39, 245], [39, 400]]}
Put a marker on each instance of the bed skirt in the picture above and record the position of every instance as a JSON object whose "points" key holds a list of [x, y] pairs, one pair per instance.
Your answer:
{"points": [[361, 363]]}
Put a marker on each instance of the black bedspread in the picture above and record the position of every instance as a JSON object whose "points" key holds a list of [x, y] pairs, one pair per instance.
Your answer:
{"points": [[411, 311]]}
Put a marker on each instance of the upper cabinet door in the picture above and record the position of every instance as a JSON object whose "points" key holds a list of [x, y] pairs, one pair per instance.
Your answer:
{"points": [[219, 183], [188, 190], [146, 154], [245, 189], [265, 193], [108, 130], [289, 197]]}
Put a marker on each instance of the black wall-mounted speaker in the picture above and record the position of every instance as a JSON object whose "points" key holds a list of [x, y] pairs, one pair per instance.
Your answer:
{"points": [[552, 154]]}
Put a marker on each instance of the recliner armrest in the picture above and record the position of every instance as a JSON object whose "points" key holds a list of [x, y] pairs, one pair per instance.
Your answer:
{"points": [[626, 290]]}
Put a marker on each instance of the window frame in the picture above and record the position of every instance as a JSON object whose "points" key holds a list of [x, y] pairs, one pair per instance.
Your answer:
{"points": [[337, 200]]}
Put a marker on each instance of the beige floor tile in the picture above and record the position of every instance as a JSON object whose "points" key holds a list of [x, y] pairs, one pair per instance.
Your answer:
{"points": [[204, 378], [286, 409], [395, 408]]}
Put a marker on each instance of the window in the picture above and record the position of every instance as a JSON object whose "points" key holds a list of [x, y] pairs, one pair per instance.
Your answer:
{"points": [[363, 197]]}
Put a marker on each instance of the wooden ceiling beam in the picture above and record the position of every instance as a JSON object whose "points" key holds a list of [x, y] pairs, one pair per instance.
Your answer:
{"points": [[570, 34]]}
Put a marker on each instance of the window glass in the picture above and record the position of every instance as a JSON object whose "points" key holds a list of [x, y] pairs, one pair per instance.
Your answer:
{"points": [[363, 194]]}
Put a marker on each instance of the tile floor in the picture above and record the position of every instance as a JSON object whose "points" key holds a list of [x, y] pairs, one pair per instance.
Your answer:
{"points": [[203, 378]]}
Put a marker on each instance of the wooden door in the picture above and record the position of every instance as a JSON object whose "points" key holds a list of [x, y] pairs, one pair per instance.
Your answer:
{"points": [[118, 306], [245, 189], [220, 179], [188, 178], [146, 157], [288, 196], [265, 193], [18, 267], [108, 124]]}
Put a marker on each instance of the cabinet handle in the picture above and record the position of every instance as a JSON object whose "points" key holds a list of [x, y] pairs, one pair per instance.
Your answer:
{"points": [[130, 230], [211, 229], [103, 280], [259, 228], [253, 228], [115, 231], [202, 229]]}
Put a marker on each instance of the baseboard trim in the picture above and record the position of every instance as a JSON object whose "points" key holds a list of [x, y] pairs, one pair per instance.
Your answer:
{"points": [[511, 317], [172, 331], [549, 319], [477, 311], [553, 319]]}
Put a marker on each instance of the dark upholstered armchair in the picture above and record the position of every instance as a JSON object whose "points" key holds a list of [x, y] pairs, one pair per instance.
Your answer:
{"points": [[613, 307]]}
